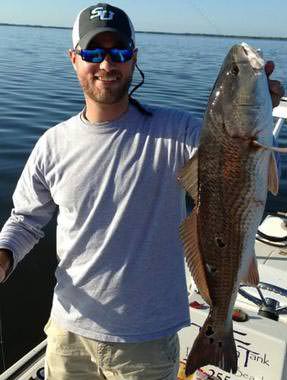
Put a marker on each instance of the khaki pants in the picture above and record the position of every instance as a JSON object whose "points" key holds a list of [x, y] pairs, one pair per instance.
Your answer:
{"points": [[73, 357]]}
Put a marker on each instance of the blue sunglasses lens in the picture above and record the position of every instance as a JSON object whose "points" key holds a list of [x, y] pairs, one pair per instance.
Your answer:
{"points": [[121, 55], [94, 56], [98, 55]]}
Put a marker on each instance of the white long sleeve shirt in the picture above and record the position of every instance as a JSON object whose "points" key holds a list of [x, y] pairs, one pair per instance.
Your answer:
{"points": [[120, 275]]}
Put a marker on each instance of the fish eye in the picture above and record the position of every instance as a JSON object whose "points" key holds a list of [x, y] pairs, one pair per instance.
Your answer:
{"points": [[235, 69]]}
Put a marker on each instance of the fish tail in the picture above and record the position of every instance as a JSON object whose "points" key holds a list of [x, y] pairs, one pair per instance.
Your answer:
{"points": [[211, 349]]}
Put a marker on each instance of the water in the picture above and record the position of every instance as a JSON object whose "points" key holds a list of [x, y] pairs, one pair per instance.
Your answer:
{"points": [[38, 89]]}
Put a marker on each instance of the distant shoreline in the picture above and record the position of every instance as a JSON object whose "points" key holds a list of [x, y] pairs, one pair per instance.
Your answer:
{"points": [[162, 33]]}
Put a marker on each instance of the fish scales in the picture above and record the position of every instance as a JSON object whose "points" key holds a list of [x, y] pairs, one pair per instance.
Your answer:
{"points": [[229, 187], [217, 199]]}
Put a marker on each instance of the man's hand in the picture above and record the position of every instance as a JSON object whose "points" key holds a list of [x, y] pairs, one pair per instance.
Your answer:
{"points": [[6, 259], [275, 87]]}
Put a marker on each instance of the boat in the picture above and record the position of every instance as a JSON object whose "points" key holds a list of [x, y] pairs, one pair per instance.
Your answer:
{"points": [[260, 316]]}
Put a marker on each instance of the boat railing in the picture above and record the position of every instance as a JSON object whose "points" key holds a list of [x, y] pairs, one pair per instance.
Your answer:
{"points": [[280, 113], [27, 365]]}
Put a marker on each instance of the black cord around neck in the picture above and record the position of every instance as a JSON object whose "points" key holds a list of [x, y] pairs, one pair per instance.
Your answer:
{"points": [[135, 102]]}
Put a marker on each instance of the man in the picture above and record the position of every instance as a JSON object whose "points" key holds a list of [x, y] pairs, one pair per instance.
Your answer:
{"points": [[111, 172]]}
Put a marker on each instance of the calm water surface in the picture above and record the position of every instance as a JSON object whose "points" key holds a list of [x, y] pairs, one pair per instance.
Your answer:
{"points": [[38, 89]]}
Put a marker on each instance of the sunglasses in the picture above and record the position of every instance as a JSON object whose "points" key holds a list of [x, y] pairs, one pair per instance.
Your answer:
{"points": [[98, 55]]}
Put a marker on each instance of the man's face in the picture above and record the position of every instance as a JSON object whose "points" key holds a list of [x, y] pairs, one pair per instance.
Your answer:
{"points": [[106, 82]]}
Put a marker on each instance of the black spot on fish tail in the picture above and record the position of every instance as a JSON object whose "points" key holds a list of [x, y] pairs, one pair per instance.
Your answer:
{"points": [[211, 349], [209, 331], [220, 243]]}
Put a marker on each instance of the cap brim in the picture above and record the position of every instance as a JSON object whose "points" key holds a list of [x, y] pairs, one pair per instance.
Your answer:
{"points": [[86, 40]]}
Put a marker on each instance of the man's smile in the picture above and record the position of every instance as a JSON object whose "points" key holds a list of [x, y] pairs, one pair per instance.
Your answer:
{"points": [[113, 78]]}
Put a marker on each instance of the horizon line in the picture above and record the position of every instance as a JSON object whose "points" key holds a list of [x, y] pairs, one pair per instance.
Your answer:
{"points": [[157, 32]]}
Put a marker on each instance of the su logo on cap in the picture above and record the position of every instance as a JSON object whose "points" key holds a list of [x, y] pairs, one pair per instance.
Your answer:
{"points": [[102, 14]]}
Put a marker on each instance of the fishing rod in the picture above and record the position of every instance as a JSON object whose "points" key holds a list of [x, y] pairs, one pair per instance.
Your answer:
{"points": [[204, 15]]}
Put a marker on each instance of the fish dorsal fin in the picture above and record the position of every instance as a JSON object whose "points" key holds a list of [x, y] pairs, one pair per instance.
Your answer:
{"points": [[251, 278], [188, 177], [194, 259], [273, 179]]}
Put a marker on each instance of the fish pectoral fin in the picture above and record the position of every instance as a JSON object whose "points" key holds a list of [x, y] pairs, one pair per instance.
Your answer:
{"points": [[251, 277], [273, 178], [194, 259], [273, 148], [188, 177]]}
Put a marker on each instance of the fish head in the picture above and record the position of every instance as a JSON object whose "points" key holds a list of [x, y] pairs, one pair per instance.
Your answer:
{"points": [[240, 99]]}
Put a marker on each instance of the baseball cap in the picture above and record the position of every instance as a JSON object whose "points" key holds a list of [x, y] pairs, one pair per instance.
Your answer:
{"points": [[101, 18]]}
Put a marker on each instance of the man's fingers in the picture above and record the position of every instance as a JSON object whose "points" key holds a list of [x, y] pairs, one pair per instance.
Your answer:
{"points": [[269, 67], [276, 91], [2, 274], [275, 87]]}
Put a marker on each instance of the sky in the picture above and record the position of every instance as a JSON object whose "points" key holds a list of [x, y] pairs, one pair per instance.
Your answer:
{"points": [[240, 17]]}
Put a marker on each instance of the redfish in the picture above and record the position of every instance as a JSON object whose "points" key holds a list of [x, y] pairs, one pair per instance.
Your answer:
{"points": [[228, 178]]}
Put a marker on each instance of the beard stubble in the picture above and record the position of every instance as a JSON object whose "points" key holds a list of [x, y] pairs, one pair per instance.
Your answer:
{"points": [[106, 95]]}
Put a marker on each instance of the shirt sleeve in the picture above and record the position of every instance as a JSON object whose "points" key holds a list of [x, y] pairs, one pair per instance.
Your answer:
{"points": [[33, 208]]}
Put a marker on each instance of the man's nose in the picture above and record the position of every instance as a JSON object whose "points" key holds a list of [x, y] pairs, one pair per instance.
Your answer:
{"points": [[107, 63]]}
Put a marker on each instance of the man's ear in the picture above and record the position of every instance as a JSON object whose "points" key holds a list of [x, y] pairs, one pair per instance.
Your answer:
{"points": [[73, 57], [135, 56]]}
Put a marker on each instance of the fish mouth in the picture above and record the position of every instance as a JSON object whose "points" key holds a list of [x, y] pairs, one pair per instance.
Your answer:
{"points": [[253, 56]]}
